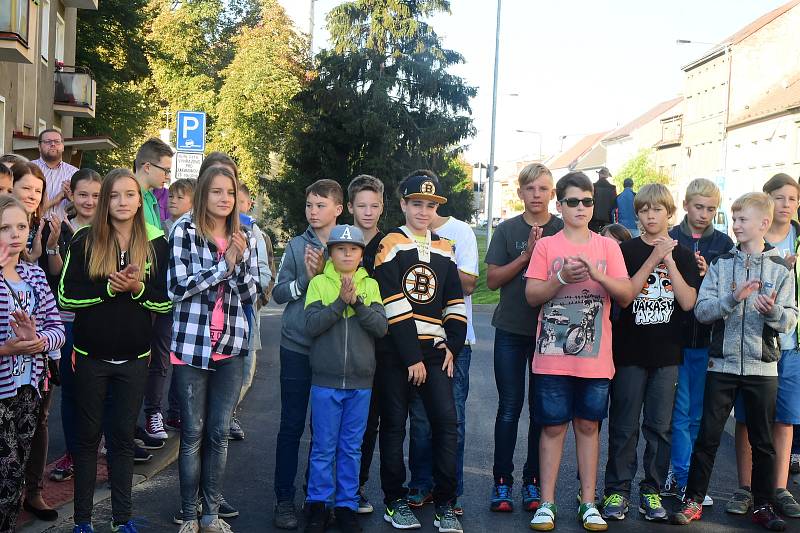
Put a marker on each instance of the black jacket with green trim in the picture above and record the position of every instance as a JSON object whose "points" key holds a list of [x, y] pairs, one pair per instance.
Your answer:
{"points": [[110, 326]]}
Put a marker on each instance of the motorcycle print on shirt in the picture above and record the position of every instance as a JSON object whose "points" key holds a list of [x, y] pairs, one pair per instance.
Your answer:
{"points": [[655, 302], [570, 324]]}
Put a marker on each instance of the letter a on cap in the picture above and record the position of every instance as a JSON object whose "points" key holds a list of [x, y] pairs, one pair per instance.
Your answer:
{"points": [[346, 234]]}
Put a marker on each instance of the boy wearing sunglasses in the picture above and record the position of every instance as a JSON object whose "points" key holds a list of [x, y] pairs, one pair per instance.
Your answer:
{"points": [[649, 336], [573, 275]]}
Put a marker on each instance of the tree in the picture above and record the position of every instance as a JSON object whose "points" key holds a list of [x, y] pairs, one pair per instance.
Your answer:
{"points": [[111, 42], [642, 171], [382, 103]]}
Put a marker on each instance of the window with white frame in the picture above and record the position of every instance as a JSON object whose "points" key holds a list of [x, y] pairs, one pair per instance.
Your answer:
{"points": [[45, 42], [59, 51]]}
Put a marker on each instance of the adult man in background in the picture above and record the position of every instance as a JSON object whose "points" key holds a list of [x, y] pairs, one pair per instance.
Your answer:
{"points": [[57, 172], [605, 194], [624, 212]]}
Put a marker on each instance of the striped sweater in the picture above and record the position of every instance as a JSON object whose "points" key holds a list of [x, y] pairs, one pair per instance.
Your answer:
{"points": [[422, 295], [48, 325]]}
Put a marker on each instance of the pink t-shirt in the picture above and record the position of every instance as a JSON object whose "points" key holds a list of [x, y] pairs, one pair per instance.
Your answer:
{"points": [[574, 332], [217, 315]]}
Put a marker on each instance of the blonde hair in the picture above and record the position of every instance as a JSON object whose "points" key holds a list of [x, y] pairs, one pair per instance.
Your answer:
{"points": [[7, 202], [200, 215], [101, 245], [654, 194], [533, 172], [702, 187], [757, 200]]}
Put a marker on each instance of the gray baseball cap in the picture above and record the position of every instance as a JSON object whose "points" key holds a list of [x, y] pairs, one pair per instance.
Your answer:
{"points": [[345, 233]]}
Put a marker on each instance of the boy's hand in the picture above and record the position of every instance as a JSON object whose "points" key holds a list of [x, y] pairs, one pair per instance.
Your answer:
{"points": [[764, 303], [417, 374], [314, 261], [574, 270], [448, 361], [533, 238], [663, 247], [348, 291], [590, 267], [746, 290], [702, 266]]}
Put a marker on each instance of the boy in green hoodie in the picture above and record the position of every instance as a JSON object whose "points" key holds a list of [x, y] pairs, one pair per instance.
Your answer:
{"points": [[344, 315]]}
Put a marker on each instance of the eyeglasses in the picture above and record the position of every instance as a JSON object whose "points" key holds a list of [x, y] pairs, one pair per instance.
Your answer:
{"points": [[51, 142], [166, 171], [573, 202]]}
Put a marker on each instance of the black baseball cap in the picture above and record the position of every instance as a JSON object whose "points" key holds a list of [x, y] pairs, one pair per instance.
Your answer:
{"points": [[422, 188]]}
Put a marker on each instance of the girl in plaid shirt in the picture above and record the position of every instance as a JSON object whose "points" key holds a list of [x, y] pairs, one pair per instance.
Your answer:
{"points": [[212, 275]]}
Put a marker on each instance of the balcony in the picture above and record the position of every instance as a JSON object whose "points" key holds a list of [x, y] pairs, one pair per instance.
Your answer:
{"points": [[15, 18], [75, 91], [80, 4]]}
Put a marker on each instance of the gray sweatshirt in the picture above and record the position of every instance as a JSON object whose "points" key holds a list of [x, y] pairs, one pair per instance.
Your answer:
{"points": [[290, 289], [743, 341]]}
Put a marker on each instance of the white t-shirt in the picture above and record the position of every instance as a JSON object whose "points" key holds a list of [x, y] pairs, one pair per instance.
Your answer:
{"points": [[465, 247]]}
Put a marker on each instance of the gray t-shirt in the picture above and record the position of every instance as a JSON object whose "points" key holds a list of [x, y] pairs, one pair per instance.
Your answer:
{"points": [[513, 314]]}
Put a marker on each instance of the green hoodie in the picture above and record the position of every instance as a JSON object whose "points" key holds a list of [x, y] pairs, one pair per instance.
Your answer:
{"points": [[343, 345]]}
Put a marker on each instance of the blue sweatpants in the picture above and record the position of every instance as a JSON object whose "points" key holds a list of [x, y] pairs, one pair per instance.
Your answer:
{"points": [[688, 409], [338, 419]]}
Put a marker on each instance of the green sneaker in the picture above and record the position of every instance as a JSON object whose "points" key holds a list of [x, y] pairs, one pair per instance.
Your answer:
{"points": [[786, 504], [590, 518], [650, 506], [740, 502], [399, 514], [545, 517], [445, 519]]}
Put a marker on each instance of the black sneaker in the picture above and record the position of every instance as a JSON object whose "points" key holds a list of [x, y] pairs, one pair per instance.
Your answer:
{"points": [[765, 517], [317, 518], [285, 515], [140, 455], [346, 520], [145, 441], [236, 432], [226, 510]]}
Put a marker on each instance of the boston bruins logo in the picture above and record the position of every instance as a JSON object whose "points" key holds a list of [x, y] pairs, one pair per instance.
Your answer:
{"points": [[419, 284], [427, 187]]}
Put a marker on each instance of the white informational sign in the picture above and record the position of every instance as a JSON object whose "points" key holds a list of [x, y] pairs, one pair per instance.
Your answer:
{"points": [[187, 165]]}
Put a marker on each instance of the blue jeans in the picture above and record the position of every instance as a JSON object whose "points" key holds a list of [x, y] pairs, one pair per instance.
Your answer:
{"points": [[688, 410], [512, 363], [340, 417], [295, 390], [207, 399], [420, 454]]}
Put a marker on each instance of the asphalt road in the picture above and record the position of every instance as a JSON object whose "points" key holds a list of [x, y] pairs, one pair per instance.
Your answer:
{"points": [[248, 480]]}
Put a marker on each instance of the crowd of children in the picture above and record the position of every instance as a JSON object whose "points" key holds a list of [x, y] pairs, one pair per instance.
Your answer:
{"points": [[663, 334]]}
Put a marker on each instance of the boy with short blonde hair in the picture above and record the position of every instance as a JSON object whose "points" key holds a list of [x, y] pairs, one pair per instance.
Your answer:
{"points": [[696, 233], [663, 275], [748, 296]]}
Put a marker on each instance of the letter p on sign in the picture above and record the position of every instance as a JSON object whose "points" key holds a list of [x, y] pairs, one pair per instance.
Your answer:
{"points": [[191, 131]]}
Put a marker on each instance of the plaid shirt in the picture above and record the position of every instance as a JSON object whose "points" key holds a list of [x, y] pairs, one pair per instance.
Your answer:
{"points": [[192, 280]]}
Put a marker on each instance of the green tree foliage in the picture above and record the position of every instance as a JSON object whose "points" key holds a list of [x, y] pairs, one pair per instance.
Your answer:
{"points": [[383, 103], [642, 171], [111, 42], [254, 108]]}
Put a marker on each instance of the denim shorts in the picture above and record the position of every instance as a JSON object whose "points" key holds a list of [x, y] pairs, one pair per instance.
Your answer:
{"points": [[559, 399], [787, 404]]}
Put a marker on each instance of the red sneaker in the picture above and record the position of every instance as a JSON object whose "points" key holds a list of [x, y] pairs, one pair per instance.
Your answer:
{"points": [[690, 510], [64, 469], [765, 517]]}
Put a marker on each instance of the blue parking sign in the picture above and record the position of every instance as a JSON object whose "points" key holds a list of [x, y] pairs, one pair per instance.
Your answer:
{"points": [[191, 131]]}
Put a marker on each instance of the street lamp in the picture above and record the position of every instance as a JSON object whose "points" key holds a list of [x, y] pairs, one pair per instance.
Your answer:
{"points": [[539, 134], [311, 18], [490, 172]]}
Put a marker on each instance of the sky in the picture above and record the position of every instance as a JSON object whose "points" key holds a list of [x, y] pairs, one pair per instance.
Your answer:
{"points": [[568, 67]]}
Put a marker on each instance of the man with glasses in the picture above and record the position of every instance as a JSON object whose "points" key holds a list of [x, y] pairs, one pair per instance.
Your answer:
{"points": [[152, 170], [57, 173]]}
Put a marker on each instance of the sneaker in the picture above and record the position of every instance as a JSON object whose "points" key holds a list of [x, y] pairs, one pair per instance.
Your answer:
{"points": [[707, 500], [154, 426], [765, 517], [417, 498], [740, 502], [531, 497], [786, 504], [143, 440], [458, 507], [670, 487], [590, 518], [690, 510], [172, 424], [615, 507], [794, 463], [650, 506], [501, 497], [317, 518], [64, 469], [445, 519], [579, 496], [177, 518], [346, 520], [82, 528], [399, 514], [285, 515], [127, 527], [140, 455], [192, 526], [364, 507], [218, 525], [226, 510], [237, 433], [545, 517]]}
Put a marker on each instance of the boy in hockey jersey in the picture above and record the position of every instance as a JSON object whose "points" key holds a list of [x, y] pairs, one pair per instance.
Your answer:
{"points": [[421, 291]]}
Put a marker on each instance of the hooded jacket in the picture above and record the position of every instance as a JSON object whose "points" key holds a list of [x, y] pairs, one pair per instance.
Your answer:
{"points": [[290, 289], [743, 341], [343, 346]]}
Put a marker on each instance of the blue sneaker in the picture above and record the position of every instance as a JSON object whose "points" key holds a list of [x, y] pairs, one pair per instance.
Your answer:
{"points": [[501, 497], [531, 497], [127, 527], [83, 528]]}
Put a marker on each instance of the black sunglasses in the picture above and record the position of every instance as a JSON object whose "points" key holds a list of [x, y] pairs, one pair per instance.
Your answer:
{"points": [[573, 202]]}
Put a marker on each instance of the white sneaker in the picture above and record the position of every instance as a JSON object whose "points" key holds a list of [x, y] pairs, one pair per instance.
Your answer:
{"points": [[191, 526], [154, 427], [707, 501], [218, 525]]}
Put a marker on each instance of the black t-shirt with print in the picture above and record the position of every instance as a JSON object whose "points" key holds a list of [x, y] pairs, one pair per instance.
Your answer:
{"points": [[652, 331], [370, 251]]}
